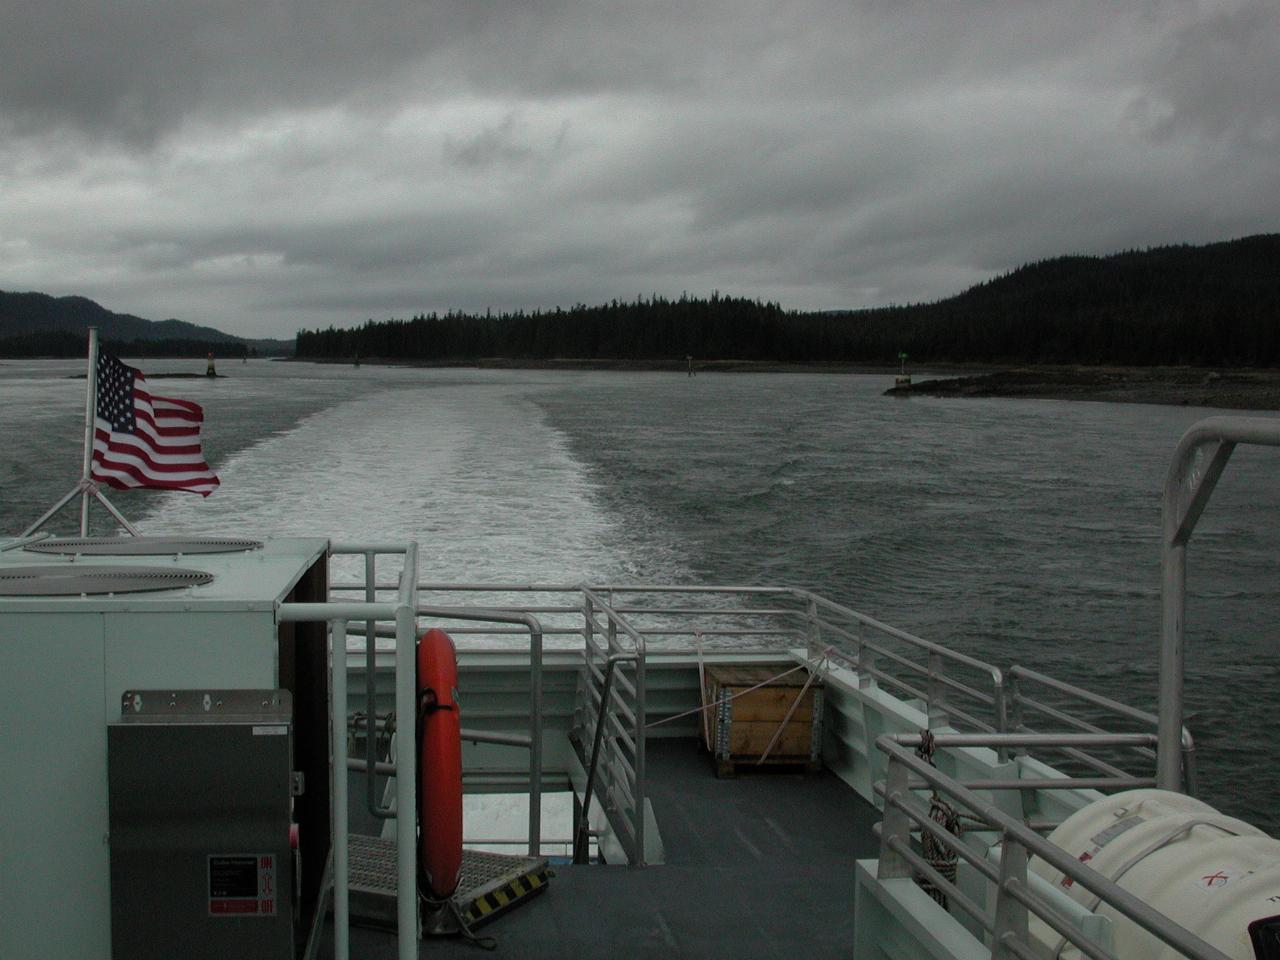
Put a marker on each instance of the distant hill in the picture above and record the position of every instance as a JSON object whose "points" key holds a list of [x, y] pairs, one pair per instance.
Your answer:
{"points": [[36, 324], [1213, 305]]}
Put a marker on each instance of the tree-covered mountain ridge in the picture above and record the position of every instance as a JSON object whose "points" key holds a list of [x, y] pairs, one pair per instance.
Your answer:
{"points": [[1211, 305], [39, 325]]}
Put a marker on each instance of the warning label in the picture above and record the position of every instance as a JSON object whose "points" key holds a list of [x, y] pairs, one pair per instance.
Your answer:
{"points": [[242, 885]]}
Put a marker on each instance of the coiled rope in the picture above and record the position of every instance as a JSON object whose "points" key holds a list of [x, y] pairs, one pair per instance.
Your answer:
{"points": [[937, 854]]}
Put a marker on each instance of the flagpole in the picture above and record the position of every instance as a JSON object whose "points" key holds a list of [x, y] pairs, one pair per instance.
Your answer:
{"points": [[90, 414]]}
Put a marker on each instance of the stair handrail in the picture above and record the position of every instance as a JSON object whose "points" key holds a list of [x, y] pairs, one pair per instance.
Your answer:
{"points": [[580, 836]]}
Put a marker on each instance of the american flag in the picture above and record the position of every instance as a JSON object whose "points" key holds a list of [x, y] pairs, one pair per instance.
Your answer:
{"points": [[141, 440]]}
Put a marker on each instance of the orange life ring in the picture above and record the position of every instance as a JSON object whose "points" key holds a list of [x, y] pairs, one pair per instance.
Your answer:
{"points": [[439, 767]]}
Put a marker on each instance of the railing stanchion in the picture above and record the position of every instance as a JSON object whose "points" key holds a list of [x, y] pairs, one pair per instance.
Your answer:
{"points": [[640, 741], [1011, 913], [1190, 782], [371, 692], [1001, 709], [406, 780], [814, 628], [338, 726], [897, 826], [936, 707], [535, 741]]}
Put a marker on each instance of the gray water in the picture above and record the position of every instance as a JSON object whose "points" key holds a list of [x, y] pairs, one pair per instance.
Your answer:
{"points": [[1020, 531]]}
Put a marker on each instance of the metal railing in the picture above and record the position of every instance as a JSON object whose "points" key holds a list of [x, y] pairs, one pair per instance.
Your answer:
{"points": [[512, 622], [337, 614], [1039, 703], [1186, 493], [612, 703], [1016, 897], [955, 689], [581, 830]]}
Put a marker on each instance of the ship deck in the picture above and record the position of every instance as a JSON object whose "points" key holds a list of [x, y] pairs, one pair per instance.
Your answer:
{"points": [[759, 866]]}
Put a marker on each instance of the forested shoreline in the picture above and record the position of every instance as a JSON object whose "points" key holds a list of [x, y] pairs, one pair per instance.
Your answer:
{"points": [[65, 343], [1215, 305]]}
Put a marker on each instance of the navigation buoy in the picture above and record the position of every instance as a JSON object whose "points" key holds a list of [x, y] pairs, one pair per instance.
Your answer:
{"points": [[209, 371], [440, 767], [903, 379]]}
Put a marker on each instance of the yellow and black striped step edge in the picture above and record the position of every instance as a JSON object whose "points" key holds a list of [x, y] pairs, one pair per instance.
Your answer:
{"points": [[487, 905]]}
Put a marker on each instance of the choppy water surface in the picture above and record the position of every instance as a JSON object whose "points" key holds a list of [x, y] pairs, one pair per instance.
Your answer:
{"points": [[1018, 531]]}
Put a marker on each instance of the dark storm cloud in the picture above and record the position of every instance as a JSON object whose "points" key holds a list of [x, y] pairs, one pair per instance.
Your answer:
{"points": [[270, 165]]}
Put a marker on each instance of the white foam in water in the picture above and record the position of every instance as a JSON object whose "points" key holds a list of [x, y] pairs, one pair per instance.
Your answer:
{"points": [[473, 473]]}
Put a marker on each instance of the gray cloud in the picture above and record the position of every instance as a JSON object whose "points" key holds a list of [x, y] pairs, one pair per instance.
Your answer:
{"points": [[265, 166]]}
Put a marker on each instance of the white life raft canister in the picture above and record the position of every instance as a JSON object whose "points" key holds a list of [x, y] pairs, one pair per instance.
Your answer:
{"points": [[1214, 875]]}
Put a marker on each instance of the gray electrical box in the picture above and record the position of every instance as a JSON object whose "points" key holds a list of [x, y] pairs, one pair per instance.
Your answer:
{"points": [[200, 787]]}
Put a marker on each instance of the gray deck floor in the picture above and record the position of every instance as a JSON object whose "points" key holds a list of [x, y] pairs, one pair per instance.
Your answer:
{"points": [[757, 867]]}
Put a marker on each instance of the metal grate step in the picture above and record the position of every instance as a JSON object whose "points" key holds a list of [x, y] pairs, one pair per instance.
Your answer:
{"points": [[491, 882]]}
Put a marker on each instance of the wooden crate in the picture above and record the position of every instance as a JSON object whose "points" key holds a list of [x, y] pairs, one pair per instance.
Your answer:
{"points": [[739, 730]]}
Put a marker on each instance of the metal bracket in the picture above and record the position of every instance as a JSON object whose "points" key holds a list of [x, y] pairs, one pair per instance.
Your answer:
{"points": [[206, 706]]}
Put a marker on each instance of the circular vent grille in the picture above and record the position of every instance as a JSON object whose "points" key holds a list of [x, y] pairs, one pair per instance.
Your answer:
{"points": [[142, 546], [73, 580]]}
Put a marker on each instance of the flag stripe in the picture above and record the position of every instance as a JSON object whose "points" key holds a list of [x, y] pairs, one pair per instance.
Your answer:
{"points": [[163, 458], [128, 479], [143, 440], [144, 435]]}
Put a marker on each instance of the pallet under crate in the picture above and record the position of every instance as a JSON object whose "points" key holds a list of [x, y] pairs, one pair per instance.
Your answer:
{"points": [[741, 724]]}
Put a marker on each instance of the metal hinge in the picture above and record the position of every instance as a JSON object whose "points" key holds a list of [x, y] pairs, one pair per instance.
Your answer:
{"points": [[297, 783]]}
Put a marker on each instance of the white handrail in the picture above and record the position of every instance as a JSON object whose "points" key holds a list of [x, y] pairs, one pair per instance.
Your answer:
{"points": [[403, 611], [1186, 494]]}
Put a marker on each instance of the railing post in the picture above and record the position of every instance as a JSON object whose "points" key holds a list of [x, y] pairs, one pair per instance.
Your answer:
{"points": [[582, 714], [338, 748], [1001, 708], [371, 692], [406, 783], [1011, 914], [535, 742], [866, 661], [936, 691], [640, 757], [814, 632], [1173, 573], [896, 824], [1190, 784], [1016, 720]]}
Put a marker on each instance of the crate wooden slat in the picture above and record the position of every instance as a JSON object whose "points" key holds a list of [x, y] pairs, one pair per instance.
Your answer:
{"points": [[743, 721]]}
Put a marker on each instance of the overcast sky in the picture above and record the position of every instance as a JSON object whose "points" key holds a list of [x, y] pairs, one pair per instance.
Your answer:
{"points": [[265, 165]]}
